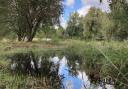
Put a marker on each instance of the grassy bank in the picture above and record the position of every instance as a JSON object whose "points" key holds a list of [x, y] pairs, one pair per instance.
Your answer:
{"points": [[99, 59], [102, 59]]}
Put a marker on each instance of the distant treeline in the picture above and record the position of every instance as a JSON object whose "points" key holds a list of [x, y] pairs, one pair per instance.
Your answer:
{"points": [[101, 25]]}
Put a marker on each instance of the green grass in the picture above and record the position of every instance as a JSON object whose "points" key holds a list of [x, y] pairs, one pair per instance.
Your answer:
{"points": [[96, 57], [9, 80], [103, 59]]}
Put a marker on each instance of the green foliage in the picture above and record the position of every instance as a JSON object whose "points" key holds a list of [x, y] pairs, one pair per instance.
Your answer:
{"points": [[107, 26], [60, 33], [101, 25], [4, 27], [119, 12], [95, 25], [27, 16], [3, 10], [96, 58], [48, 30], [75, 26], [92, 24], [101, 59]]}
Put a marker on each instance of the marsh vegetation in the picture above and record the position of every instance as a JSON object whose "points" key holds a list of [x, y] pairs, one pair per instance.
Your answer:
{"points": [[38, 52], [99, 60]]}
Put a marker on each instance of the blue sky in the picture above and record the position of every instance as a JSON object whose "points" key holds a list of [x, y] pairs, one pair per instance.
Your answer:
{"points": [[82, 7], [71, 7]]}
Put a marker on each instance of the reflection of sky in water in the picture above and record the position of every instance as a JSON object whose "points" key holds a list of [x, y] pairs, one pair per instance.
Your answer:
{"points": [[69, 80], [74, 82]]}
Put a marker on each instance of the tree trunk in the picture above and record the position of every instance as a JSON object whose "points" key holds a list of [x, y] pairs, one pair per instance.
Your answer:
{"points": [[29, 39], [19, 38], [31, 36], [33, 32]]}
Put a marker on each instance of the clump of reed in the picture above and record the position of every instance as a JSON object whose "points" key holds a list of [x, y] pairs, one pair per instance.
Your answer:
{"points": [[100, 62]]}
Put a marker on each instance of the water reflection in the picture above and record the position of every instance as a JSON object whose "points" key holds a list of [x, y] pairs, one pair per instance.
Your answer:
{"points": [[69, 81], [80, 81], [55, 70]]}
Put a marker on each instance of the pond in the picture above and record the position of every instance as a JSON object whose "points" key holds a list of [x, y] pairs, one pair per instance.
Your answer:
{"points": [[56, 70], [80, 81]]}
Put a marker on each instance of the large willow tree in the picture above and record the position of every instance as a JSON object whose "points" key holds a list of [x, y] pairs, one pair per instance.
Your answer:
{"points": [[28, 15]]}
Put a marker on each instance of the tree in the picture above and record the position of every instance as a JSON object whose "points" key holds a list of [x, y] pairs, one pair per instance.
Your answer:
{"points": [[27, 16], [4, 30], [119, 15], [119, 12], [75, 26], [92, 23], [107, 26], [60, 32]]}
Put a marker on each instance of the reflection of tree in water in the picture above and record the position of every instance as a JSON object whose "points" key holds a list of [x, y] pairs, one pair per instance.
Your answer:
{"points": [[82, 62], [40, 68], [45, 70]]}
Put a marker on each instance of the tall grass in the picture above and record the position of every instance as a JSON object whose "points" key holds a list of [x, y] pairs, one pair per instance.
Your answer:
{"points": [[98, 59], [102, 59]]}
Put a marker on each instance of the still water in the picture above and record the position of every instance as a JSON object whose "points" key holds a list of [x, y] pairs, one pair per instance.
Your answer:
{"points": [[80, 81], [59, 68]]}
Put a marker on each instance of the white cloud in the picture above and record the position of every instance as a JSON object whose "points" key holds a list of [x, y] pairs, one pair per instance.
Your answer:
{"points": [[104, 6], [90, 2], [70, 2], [84, 10]]}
